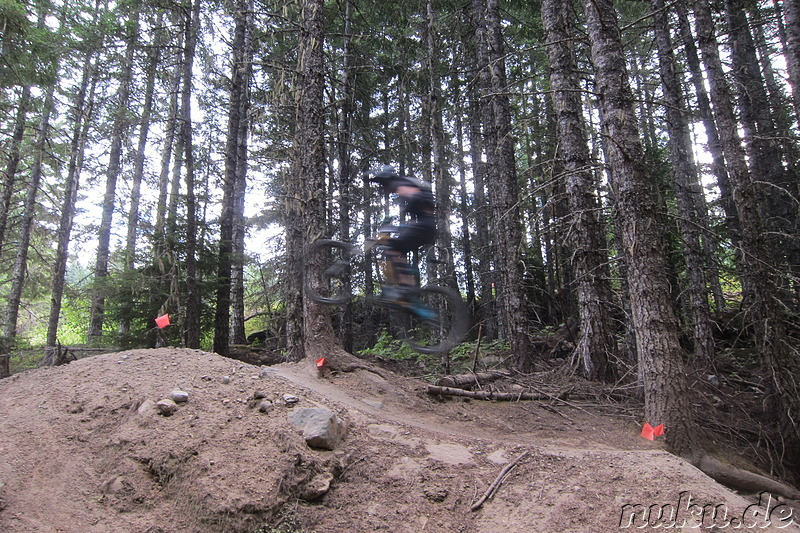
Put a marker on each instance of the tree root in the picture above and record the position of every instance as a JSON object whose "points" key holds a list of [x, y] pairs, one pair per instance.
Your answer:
{"points": [[743, 480]]}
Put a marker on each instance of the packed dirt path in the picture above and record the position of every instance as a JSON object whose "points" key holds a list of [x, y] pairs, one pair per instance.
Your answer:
{"points": [[83, 450]]}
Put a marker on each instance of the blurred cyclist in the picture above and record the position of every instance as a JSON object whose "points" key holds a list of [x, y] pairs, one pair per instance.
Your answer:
{"points": [[416, 200]]}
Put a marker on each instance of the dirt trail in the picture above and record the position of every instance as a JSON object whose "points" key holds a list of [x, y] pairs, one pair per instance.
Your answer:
{"points": [[79, 453]]}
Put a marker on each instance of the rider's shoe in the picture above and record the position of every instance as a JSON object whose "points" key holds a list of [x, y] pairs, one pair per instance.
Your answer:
{"points": [[419, 308], [391, 295]]}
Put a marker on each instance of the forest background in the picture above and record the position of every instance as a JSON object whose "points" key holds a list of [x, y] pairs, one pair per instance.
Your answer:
{"points": [[624, 170]]}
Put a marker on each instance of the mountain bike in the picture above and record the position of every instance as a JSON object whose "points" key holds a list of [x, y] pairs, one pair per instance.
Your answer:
{"points": [[430, 318]]}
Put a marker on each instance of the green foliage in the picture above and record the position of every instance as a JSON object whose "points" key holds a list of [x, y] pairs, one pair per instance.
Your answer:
{"points": [[390, 348], [27, 52]]}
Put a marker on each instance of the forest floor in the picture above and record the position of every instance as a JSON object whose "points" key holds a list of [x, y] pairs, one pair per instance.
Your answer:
{"points": [[82, 450]]}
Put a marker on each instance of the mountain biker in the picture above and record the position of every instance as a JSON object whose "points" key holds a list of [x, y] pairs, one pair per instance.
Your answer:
{"points": [[416, 200]]}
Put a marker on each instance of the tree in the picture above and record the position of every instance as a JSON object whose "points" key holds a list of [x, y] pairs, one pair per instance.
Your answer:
{"points": [[191, 326], [502, 177], [596, 344], [118, 134], [234, 163], [760, 277], [653, 317], [26, 226], [687, 187]]}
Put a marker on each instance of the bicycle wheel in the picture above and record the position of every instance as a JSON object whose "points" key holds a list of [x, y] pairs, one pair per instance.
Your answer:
{"points": [[436, 322], [331, 260]]}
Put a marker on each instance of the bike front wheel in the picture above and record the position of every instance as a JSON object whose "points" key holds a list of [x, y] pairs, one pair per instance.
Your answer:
{"points": [[331, 259], [436, 320]]}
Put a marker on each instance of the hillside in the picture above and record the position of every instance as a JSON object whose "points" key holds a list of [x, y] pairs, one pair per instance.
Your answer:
{"points": [[82, 450]]}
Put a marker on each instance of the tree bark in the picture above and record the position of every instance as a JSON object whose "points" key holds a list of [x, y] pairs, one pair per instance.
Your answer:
{"points": [[82, 106], [237, 96], [502, 179], [596, 342], [760, 286], [118, 132], [653, 318], [10, 178], [26, 226], [191, 325], [687, 188]]}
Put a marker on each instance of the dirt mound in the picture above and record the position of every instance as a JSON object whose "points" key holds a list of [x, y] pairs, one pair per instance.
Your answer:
{"points": [[83, 449]]}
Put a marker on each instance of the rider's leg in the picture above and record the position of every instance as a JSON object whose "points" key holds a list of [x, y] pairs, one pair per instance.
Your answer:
{"points": [[401, 269]]}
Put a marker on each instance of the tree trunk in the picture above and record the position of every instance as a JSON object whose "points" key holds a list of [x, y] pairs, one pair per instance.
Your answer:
{"points": [[317, 336], [238, 93], [10, 178], [596, 342], [758, 272], [653, 318], [26, 225], [502, 180], [442, 182], [81, 122], [791, 16], [687, 188], [118, 132], [714, 146], [191, 326]]}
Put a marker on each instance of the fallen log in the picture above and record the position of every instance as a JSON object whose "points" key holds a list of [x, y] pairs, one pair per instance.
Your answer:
{"points": [[436, 390], [464, 381]]}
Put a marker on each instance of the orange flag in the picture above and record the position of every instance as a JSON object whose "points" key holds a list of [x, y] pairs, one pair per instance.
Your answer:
{"points": [[162, 321], [320, 362], [649, 432]]}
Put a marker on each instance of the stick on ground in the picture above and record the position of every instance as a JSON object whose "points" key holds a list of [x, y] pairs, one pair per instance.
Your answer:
{"points": [[496, 483]]}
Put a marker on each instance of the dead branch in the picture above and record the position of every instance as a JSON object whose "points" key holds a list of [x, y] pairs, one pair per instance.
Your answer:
{"points": [[436, 390], [464, 381], [496, 483]]}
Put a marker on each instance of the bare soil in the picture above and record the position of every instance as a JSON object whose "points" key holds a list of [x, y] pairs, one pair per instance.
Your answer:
{"points": [[79, 454]]}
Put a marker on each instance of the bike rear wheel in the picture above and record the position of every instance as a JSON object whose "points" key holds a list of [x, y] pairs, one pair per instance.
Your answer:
{"points": [[332, 260], [436, 321]]}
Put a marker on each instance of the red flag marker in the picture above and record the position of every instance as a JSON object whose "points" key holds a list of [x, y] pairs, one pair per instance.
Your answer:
{"points": [[647, 431], [162, 321], [658, 430], [320, 362]]}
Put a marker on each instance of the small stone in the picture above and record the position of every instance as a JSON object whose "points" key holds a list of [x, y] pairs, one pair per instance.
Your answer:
{"points": [[265, 406], [166, 407], [318, 487], [290, 399], [179, 396], [225, 380], [146, 407]]}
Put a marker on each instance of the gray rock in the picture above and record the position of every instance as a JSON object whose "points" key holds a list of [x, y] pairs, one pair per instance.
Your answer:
{"points": [[321, 427], [146, 407], [166, 407], [317, 487], [179, 396], [290, 399]]}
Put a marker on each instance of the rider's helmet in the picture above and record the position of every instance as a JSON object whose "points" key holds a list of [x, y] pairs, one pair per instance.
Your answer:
{"points": [[390, 179], [386, 176]]}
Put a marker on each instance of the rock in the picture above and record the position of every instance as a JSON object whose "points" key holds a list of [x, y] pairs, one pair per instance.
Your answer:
{"points": [[290, 399], [318, 487], [166, 407], [179, 396], [265, 406], [146, 407], [321, 427]]}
